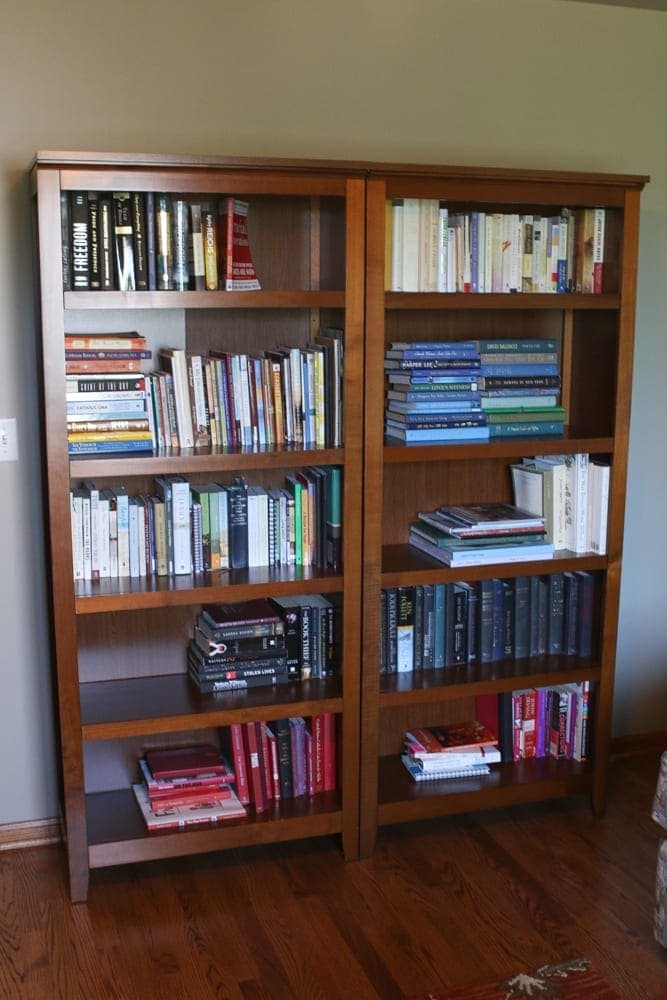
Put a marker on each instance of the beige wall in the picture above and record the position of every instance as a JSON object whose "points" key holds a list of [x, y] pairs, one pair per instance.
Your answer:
{"points": [[538, 83]]}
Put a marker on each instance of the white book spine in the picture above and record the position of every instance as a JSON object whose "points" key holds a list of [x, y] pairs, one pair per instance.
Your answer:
{"points": [[123, 535], [411, 245], [134, 539], [103, 524], [180, 493], [397, 245], [224, 530], [443, 243], [581, 506], [76, 507]]}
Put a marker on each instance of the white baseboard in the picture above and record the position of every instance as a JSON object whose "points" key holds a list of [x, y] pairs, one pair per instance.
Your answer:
{"points": [[33, 833]]}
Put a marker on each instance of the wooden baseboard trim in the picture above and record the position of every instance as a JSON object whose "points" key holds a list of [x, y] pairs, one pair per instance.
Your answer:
{"points": [[639, 743], [33, 833]]}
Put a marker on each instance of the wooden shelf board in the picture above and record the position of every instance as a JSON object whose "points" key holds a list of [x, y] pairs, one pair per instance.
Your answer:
{"points": [[483, 678], [117, 833], [458, 300], [264, 299], [401, 799], [130, 594], [403, 565], [398, 452], [211, 460], [172, 703]]}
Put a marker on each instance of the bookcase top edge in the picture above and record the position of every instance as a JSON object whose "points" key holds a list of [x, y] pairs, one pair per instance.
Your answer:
{"points": [[82, 158]]}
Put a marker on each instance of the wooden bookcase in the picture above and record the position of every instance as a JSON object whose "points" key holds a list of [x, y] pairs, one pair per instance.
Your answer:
{"points": [[120, 649], [594, 333], [318, 240]]}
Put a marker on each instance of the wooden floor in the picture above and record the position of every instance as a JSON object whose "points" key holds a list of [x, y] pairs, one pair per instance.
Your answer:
{"points": [[444, 903]]}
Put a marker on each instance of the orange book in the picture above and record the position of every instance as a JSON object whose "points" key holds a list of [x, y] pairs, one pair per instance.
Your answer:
{"points": [[102, 365]]}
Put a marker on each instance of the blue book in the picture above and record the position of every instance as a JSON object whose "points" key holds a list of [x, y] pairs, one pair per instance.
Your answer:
{"points": [[438, 363], [434, 419], [420, 377], [418, 773], [100, 447], [522, 346], [435, 345], [432, 353], [435, 406], [519, 369], [458, 397], [443, 434], [439, 599]]}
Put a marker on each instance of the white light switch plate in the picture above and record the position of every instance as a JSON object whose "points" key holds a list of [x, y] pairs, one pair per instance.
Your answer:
{"points": [[8, 441]]}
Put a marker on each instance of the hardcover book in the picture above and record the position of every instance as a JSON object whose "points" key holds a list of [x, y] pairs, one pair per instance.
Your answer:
{"points": [[238, 268]]}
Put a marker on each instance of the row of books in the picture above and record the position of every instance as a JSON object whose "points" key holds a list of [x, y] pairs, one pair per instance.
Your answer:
{"points": [[434, 626], [571, 492], [185, 527], [144, 241], [264, 642], [473, 389], [455, 750], [431, 247], [480, 534], [282, 759], [546, 722], [186, 786], [289, 395]]}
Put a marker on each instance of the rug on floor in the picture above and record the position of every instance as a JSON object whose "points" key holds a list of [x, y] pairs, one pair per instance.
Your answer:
{"points": [[575, 979]]}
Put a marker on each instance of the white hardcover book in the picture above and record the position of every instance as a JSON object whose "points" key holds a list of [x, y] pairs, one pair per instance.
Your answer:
{"points": [[76, 508], [181, 396], [113, 542], [141, 532], [582, 539], [134, 537], [253, 527], [103, 544], [539, 253], [201, 431], [428, 244], [443, 248], [94, 499], [180, 513], [599, 475], [410, 245], [263, 525], [244, 385], [123, 532], [527, 482], [397, 245], [297, 393]]}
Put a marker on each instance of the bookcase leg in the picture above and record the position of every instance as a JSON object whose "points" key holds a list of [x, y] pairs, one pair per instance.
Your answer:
{"points": [[367, 839], [78, 884]]}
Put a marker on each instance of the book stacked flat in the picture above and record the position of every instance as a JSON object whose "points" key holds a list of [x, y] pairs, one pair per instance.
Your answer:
{"points": [[432, 394], [282, 759], [106, 393], [520, 384], [186, 786], [238, 646], [455, 750], [480, 534]]}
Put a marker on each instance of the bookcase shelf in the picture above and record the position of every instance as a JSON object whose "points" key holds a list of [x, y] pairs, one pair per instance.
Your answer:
{"points": [[521, 300], [398, 453], [163, 704], [117, 834], [212, 460], [206, 300]]}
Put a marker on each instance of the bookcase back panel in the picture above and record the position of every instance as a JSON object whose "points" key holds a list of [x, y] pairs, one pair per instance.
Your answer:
{"points": [[395, 720], [594, 365], [459, 324], [112, 764], [134, 643], [412, 487], [247, 331]]}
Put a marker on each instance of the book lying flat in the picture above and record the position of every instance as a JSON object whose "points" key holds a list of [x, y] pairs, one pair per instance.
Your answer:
{"points": [[418, 774], [180, 817]]}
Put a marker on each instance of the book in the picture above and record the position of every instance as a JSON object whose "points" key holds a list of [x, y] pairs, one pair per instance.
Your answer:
{"points": [[80, 243], [123, 241], [238, 271], [221, 617], [164, 787], [483, 556], [202, 760], [417, 773], [183, 816]]}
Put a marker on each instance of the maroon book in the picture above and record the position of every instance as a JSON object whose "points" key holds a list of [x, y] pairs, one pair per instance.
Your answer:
{"points": [[176, 762]]}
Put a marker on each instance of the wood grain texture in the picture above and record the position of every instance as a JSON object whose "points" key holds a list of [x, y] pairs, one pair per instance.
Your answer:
{"points": [[449, 903]]}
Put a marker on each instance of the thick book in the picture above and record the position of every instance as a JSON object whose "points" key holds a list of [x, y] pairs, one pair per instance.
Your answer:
{"points": [[193, 761], [164, 787], [238, 271], [181, 817], [80, 241], [123, 240], [417, 773], [139, 246], [254, 612]]}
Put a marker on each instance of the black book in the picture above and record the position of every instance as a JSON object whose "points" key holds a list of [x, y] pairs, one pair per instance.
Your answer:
{"points": [[106, 244], [428, 626], [485, 621], [419, 628], [506, 726], [571, 614], [139, 241], [498, 640], [94, 260], [281, 728], [122, 206], [585, 615], [80, 241], [196, 249], [383, 632], [237, 516], [392, 622], [556, 613], [521, 617], [150, 241], [508, 618], [164, 260], [208, 686], [180, 241], [66, 240], [533, 638]]}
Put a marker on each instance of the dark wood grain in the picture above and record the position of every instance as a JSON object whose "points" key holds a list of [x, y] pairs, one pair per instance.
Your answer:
{"points": [[452, 902]]}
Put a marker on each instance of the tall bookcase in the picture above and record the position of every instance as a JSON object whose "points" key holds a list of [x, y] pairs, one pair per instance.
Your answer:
{"points": [[319, 244], [594, 334], [120, 646]]}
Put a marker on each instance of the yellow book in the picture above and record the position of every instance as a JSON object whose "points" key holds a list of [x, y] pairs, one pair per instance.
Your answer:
{"points": [[110, 436]]}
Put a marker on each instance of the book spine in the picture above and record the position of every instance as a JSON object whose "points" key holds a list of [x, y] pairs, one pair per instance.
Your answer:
{"points": [[138, 201], [283, 739], [80, 242]]}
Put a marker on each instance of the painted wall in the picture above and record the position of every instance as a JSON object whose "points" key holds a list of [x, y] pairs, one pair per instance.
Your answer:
{"points": [[532, 83]]}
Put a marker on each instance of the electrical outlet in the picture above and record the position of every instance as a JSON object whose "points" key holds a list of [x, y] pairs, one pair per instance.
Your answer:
{"points": [[8, 441]]}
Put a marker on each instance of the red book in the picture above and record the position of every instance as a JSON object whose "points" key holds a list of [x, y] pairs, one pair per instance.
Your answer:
{"points": [[158, 787], [254, 756], [105, 365], [308, 749], [517, 731], [329, 752], [185, 796], [317, 727], [275, 764], [266, 760], [529, 722], [238, 270], [237, 753], [104, 342], [196, 761], [460, 735]]}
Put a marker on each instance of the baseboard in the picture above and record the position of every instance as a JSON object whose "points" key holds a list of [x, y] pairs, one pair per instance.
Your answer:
{"points": [[33, 833], [639, 743]]}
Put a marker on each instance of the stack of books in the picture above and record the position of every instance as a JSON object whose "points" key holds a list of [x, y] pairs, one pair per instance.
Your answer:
{"points": [[520, 384], [480, 534], [106, 393], [433, 392], [282, 759], [238, 646], [452, 751], [184, 786]]}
